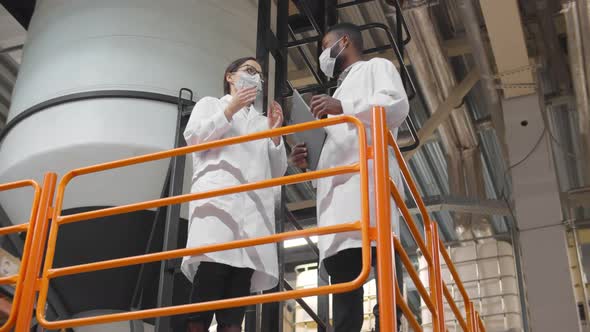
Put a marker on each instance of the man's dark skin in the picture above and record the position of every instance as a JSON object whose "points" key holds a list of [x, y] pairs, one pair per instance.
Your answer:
{"points": [[322, 105]]}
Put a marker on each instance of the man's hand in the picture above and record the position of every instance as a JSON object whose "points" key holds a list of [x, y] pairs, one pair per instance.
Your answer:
{"points": [[298, 156], [275, 119], [322, 105]]}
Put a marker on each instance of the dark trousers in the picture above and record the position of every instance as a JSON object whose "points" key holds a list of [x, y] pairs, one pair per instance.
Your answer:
{"points": [[347, 310], [215, 281]]}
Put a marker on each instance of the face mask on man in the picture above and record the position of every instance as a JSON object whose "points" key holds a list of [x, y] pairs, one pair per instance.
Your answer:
{"points": [[327, 62]]}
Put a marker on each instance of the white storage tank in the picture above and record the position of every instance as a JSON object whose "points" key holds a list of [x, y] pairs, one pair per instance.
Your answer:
{"points": [[84, 46], [489, 276]]}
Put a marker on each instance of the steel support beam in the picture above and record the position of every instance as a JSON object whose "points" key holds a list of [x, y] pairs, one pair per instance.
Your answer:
{"points": [[445, 109], [506, 33], [483, 63], [475, 206]]}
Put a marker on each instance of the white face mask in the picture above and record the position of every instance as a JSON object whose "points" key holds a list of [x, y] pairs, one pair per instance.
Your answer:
{"points": [[327, 63], [246, 80]]}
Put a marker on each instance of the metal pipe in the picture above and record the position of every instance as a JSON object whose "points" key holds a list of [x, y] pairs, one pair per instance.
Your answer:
{"points": [[482, 62]]}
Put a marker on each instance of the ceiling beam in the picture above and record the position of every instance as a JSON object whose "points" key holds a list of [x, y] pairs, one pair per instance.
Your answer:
{"points": [[468, 205], [445, 109], [506, 33]]}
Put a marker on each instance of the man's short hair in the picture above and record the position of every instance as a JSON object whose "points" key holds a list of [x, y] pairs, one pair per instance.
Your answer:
{"points": [[352, 31]]}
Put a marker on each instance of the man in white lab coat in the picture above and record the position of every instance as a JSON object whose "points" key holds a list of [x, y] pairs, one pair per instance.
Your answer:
{"points": [[361, 85]]}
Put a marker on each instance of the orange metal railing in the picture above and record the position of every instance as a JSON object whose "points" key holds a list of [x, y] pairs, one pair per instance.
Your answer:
{"points": [[388, 245], [18, 278], [432, 250], [49, 272]]}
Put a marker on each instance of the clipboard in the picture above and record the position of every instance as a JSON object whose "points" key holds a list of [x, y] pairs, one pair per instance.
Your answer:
{"points": [[313, 139]]}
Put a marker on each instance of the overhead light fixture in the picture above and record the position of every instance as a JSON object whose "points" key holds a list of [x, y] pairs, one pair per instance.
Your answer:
{"points": [[298, 242]]}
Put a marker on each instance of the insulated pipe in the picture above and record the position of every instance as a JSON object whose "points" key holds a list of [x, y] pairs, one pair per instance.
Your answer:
{"points": [[480, 56], [457, 135]]}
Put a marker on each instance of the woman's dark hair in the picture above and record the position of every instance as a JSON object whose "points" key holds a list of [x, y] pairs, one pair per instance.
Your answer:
{"points": [[232, 68]]}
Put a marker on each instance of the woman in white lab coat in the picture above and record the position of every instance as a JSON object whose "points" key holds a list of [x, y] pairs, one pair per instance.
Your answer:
{"points": [[237, 272]]}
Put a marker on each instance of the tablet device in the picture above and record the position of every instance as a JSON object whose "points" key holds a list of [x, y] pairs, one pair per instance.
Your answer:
{"points": [[314, 139]]}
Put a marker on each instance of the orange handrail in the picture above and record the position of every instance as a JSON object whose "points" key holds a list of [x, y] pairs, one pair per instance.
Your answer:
{"points": [[18, 279], [481, 326], [455, 308], [387, 244], [48, 272], [432, 255], [406, 310], [414, 276]]}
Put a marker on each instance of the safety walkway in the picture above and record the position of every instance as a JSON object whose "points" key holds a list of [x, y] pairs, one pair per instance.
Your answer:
{"points": [[32, 282]]}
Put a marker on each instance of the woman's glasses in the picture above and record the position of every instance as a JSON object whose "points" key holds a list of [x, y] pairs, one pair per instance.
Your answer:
{"points": [[250, 70]]}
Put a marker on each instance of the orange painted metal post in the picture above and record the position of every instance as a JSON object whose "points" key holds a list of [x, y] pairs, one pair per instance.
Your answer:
{"points": [[471, 317], [385, 262], [28, 227], [435, 279], [454, 308], [482, 327], [23, 321]]}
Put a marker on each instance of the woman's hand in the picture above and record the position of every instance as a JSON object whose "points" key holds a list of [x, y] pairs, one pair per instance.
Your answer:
{"points": [[275, 119], [243, 98]]}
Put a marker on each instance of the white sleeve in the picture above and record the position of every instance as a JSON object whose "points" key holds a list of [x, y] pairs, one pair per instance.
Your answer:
{"points": [[207, 122], [277, 156], [387, 91]]}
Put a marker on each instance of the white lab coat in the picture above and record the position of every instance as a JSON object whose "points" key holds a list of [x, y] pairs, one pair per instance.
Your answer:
{"points": [[369, 83], [236, 216]]}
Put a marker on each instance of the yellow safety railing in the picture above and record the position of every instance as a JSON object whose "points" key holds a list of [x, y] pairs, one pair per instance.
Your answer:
{"points": [[18, 279], [388, 245]]}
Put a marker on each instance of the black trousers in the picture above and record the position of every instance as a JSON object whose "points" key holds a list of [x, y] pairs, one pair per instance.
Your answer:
{"points": [[215, 281], [347, 310]]}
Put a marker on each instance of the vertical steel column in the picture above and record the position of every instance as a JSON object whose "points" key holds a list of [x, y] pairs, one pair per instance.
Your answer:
{"points": [[281, 68], [254, 321], [263, 33], [167, 269], [330, 17]]}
